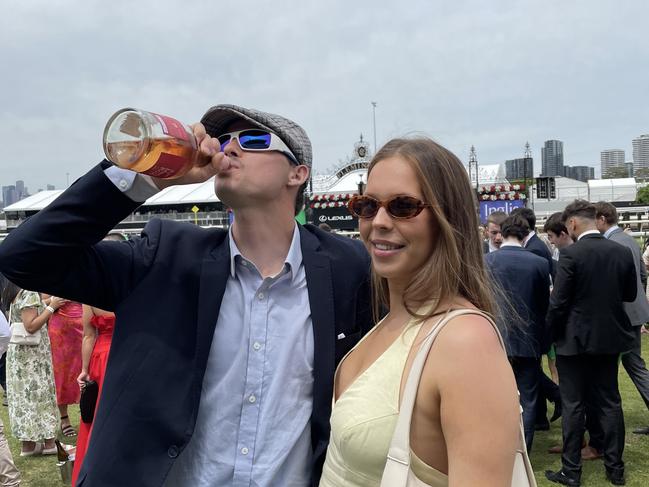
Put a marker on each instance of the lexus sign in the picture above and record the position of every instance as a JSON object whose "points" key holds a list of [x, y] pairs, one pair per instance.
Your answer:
{"points": [[337, 218], [334, 218]]}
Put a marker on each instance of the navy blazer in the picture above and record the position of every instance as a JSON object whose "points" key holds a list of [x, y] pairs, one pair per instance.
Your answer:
{"points": [[525, 283], [535, 245], [166, 288], [595, 276]]}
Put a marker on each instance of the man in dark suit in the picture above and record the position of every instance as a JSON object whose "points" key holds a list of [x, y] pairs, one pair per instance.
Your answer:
{"points": [[492, 232], [557, 232], [549, 390], [638, 310], [533, 243], [587, 318], [558, 236], [222, 361], [525, 284]]}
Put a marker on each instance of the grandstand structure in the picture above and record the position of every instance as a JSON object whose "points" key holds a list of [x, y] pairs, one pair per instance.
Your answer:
{"points": [[328, 195], [192, 203]]}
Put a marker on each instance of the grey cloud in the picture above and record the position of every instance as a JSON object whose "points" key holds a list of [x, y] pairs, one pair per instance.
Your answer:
{"points": [[492, 74]]}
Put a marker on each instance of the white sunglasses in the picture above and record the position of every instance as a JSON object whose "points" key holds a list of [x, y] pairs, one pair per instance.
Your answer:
{"points": [[257, 140]]}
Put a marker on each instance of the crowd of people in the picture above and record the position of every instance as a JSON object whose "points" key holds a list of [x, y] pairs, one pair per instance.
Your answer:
{"points": [[276, 354], [46, 375], [591, 320]]}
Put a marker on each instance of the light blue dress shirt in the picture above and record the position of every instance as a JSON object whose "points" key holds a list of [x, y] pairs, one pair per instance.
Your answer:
{"points": [[253, 426], [254, 419]]}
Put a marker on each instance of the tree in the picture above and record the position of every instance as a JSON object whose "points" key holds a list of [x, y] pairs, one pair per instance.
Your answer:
{"points": [[642, 173], [643, 196], [615, 172]]}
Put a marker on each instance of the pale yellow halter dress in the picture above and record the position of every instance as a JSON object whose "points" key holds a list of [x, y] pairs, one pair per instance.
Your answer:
{"points": [[363, 420]]}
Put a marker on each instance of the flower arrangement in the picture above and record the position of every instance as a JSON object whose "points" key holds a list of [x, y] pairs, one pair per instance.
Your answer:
{"points": [[318, 201], [501, 188], [330, 197], [506, 192], [502, 196]]}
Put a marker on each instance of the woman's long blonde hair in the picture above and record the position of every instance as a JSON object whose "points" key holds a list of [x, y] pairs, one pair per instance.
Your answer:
{"points": [[455, 266]]}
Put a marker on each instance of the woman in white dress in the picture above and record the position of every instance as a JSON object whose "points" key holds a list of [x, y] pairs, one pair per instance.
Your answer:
{"points": [[417, 219], [31, 392]]}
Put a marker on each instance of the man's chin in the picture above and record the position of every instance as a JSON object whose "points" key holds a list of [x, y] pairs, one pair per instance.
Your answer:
{"points": [[223, 193]]}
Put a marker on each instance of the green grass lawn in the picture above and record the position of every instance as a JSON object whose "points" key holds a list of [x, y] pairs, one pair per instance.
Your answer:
{"points": [[42, 471], [38, 471], [636, 450]]}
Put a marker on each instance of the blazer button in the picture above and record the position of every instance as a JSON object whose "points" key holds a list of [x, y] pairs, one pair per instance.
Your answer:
{"points": [[172, 451]]}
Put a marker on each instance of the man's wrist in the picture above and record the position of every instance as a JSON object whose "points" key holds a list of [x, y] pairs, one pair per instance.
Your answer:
{"points": [[156, 183], [138, 187]]}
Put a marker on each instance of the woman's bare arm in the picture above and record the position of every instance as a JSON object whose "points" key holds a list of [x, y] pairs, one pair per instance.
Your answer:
{"points": [[87, 345], [479, 407]]}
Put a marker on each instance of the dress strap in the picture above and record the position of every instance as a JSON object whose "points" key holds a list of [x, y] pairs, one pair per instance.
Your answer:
{"points": [[398, 461]]}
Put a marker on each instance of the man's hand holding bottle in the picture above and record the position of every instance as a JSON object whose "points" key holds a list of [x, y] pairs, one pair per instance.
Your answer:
{"points": [[161, 147], [207, 163]]}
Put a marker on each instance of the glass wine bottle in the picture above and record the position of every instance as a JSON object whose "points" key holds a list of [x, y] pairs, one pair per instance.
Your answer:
{"points": [[149, 143]]}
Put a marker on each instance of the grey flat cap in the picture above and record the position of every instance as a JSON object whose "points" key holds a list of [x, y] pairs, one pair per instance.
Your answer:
{"points": [[217, 119]]}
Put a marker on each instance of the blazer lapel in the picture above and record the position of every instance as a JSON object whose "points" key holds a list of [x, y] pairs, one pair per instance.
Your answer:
{"points": [[530, 240], [317, 267], [215, 270]]}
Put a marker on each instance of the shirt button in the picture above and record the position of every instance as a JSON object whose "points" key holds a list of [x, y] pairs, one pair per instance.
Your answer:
{"points": [[123, 184], [261, 296], [244, 451], [256, 346], [252, 398], [172, 451]]}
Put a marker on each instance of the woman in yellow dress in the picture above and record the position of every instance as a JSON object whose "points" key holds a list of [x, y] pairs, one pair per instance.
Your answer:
{"points": [[418, 221]]}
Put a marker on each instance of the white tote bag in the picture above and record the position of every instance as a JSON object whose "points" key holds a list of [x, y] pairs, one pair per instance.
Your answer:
{"points": [[20, 336], [397, 472]]}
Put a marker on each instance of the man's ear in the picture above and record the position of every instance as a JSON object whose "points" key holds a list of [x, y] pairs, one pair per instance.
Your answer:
{"points": [[298, 175]]}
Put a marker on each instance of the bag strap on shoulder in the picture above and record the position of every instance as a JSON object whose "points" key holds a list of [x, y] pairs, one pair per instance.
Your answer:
{"points": [[400, 445]]}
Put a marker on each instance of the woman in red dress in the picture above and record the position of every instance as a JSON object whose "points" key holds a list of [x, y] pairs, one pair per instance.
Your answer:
{"points": [[66, 330], [97, 334]]}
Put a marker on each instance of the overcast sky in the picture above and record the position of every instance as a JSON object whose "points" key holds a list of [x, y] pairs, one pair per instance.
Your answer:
{"points": [[494, 74]]}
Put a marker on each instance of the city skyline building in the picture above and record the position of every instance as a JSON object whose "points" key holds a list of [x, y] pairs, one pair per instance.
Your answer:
{"points": [[552, 158], [640, 152], [20, 188], [580, 173], [13, 193], [611, 158], [521, 168], [8, 195]]}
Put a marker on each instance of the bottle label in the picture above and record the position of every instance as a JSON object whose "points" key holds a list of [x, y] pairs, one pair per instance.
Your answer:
{"points": [[172, 127], [167, 166]]}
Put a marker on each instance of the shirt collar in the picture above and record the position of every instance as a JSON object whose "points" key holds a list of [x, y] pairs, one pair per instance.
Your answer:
{"points": [[492, 247], [588, 232], [608, 232], [529, 236], [510, 244], [293, 258]]}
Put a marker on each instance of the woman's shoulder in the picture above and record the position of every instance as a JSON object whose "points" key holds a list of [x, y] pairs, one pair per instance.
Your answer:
{"points": [[469, 335], [28, 299], [468, 322], [468, 362]]}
